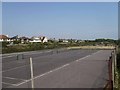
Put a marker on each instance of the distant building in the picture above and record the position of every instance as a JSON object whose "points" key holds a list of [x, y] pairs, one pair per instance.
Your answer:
{"points": [[35, 39], [44, 39], [24, 39], [39, 39], [63, 40], [15, 38], [4, 38]]}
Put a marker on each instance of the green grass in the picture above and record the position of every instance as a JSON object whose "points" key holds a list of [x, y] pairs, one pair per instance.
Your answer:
{"points": [[30, 47]]}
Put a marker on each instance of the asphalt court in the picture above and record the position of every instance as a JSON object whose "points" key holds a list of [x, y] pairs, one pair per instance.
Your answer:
{"points": [[26, 55], [20, 72]]}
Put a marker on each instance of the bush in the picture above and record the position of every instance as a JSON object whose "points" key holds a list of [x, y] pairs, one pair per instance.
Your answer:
{"points": [[4, 44]]}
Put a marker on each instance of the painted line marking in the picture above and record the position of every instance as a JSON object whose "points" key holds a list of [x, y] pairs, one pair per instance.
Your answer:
{"points": [[51, 71], [43, 74], [25, 81], [86, 56], [6, 56], [15, 68], [13, 78], [28, 65], [9, 84]]}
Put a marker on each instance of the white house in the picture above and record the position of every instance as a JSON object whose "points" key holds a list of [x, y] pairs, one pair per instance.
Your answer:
{"points": [[39, 39], [35, 39], [44, 39]]}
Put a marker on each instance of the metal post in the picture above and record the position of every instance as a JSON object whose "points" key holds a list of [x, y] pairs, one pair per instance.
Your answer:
{"points": [[17, 57], [31, 68], [22, 56]]}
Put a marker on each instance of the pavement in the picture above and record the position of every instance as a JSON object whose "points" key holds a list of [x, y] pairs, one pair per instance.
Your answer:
{"points": [[56, 69]]}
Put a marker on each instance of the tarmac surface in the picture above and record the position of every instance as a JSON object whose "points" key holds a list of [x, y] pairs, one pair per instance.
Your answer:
{"points": [[56, 69]]}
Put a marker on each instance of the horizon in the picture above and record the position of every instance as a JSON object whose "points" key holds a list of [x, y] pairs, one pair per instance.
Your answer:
{"points": [[55, 38], [78, 20]]}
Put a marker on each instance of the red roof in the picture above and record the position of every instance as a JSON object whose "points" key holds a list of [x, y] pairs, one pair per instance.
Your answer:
{"points": [[3, 37]]}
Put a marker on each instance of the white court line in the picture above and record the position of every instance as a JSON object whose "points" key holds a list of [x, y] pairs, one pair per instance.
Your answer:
{"points": [[25, 54], [82, 58], [88, 56], [25, 81], [43, 74], [27, 65], [9, 56], [49, 51], [13, 78], [9, 84], [14, 68], [53, 70]]}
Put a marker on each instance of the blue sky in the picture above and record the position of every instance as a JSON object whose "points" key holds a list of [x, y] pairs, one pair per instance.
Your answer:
{"points": [[0, 18], [61, 20]]}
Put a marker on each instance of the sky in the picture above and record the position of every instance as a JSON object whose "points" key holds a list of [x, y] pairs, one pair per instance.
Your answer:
{"points": [[0, 18], [119, 20], [78, 20]]}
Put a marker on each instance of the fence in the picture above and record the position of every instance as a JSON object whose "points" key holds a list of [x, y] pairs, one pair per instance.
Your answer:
{"points": [[111, 71]]}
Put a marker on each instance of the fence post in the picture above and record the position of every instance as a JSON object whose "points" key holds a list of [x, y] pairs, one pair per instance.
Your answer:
{"points": [[17, 57], [113, 66], [110, 73], [31, 69], [22, 56]]}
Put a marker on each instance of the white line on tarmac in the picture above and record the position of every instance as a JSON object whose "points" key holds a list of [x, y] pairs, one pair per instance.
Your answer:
{"points": [[25, 54], [25, 81], [43, 74], [28, 65], [9, 56], [52, 70], [87, 56], [13, 78], [15, 68], [9, 84]]}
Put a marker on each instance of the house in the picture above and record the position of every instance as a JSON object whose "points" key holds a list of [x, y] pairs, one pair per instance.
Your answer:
{"points": [[44, 39], [35, 39], [39, 39], [4, 38], [15, 38], [63, 40], [24, 39]]}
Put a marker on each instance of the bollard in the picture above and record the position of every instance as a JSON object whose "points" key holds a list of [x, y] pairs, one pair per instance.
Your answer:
{"points": [[110, 73]]}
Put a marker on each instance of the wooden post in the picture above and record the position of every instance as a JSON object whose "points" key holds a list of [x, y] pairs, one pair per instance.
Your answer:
{"points": [[113, 66]]}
